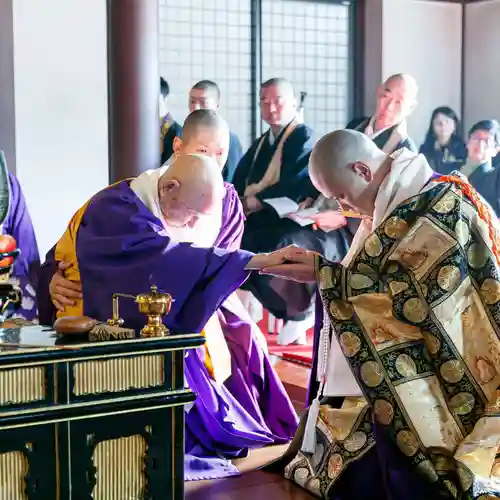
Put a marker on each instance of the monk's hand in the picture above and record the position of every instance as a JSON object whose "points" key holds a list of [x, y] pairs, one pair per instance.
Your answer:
{"points": [[263, 260], [299, 265], [252, 204], [330, 220], [63, 292], [307, 203]]}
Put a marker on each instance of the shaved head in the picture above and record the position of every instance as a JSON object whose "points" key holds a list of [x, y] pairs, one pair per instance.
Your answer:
{"points": [[205, 132], [397, 98], [190, 188], [278, 103], [285, 85], [348, 166], [202, 118], [404, 80]]}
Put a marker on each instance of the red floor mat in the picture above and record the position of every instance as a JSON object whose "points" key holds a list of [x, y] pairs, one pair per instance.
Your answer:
{"points": [[297, 353]]}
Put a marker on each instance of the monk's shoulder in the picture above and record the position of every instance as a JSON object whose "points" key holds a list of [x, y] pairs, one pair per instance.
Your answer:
{"points": [[117, 194], [302, 132], [232, 202]]}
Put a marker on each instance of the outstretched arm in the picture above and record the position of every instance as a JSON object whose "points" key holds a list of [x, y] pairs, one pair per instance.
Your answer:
{"points": [[299, 265]]}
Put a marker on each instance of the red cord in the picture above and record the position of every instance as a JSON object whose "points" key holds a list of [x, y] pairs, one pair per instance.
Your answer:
{"points": [[483, 210]]}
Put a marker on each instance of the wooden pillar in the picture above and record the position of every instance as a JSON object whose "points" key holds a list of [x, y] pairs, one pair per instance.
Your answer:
{"points": [[133, 78], [7, 103]]}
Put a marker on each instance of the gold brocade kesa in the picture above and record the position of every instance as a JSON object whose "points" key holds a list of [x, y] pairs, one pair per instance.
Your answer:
{"points": [[417, 315]]}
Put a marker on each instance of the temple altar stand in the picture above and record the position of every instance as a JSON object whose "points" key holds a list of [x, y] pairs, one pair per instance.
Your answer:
{"points": [[97, 420]]}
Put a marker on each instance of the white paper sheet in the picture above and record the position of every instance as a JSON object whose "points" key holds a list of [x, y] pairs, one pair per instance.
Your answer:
{"points": [[285, 207]]}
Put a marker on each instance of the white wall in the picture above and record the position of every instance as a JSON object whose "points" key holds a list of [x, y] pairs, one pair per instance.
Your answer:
{"points": [[482, 61], [372, 52], [423, 38], [61, 108], [208, 40]]}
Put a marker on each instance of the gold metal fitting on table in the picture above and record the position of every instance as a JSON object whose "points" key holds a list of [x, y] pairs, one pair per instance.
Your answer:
{"points": [[155, 305]]}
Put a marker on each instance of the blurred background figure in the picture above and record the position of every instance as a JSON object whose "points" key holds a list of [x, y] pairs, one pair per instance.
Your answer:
{"points": [[444, 147]]}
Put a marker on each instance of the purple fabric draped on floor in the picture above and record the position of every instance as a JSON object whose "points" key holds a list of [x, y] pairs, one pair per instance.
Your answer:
{"points": [[250, 410], [127, 251]]}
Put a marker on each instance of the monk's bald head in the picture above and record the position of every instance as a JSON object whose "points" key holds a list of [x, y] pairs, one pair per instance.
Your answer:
{"points": [[278, 103], [204, 132], [190, 188], [348, 166], [397, 98]]}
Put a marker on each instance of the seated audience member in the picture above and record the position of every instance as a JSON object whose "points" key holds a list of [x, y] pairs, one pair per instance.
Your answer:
{"points": [[443, 147], [151, 225], [206, 95], [387, 128], [396, 100], [15, 221], [484, 140], [405, 380], [169, 128], [276, 165]]}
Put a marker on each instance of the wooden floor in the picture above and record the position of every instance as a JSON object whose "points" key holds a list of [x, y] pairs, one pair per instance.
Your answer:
{"points": [[254, 484]]}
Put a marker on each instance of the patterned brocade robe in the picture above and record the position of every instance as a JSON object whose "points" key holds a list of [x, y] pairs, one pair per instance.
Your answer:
{"points": [[417, 315]]}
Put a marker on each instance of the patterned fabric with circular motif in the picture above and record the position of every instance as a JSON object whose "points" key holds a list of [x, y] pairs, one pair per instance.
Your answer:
{"points": [[396, 228]]}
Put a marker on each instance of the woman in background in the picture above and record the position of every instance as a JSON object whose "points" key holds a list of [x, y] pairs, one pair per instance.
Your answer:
{"points": [[443, 147]]}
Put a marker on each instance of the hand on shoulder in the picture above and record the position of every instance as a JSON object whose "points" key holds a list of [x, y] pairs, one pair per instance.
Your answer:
{"points": [[63, 292]]}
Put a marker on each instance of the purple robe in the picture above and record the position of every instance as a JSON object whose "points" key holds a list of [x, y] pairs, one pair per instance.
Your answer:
{"points": [[25, 270], [128, 246]]}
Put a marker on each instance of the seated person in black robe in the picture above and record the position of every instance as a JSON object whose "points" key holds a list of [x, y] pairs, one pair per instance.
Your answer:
{"points": [[387, 128], [482, 172], [396, 100], [206, 95], [276, 165], [169, 128], [444, 147]]}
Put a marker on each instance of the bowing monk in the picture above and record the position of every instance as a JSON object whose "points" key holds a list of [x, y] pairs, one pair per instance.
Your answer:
{"points": [[405, 400], [241, 403]]}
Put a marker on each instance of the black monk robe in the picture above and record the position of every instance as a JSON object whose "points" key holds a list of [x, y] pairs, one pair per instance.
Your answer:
{"points": [[391, 136], [485, 179]]}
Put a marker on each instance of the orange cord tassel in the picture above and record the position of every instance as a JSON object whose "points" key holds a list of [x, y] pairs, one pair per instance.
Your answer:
{"points": [[483, 210]]}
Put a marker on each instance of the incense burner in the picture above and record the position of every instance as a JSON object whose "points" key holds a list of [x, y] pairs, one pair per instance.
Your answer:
{"points": [[155, 305]]}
